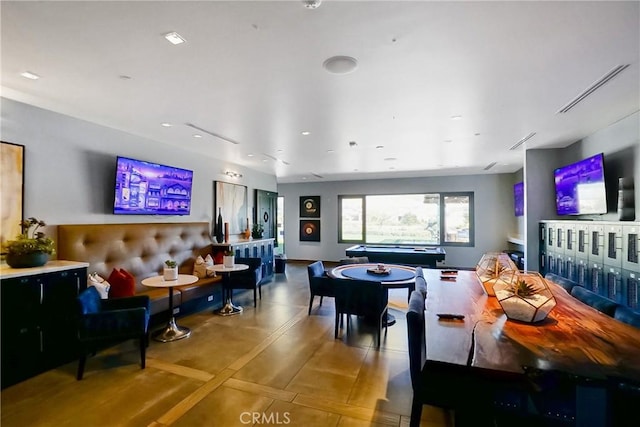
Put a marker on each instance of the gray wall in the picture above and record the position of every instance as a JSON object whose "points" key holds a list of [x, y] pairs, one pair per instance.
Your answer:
{"points": [[494, 217], [620, 143], [70, 168]]}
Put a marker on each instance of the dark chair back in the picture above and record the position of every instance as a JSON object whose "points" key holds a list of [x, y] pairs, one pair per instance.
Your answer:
{"points": [[105, 322], [600, 303], [319, 283], [361, 298], [567, 284], [416, 336], [354, 260], [248, 279]]}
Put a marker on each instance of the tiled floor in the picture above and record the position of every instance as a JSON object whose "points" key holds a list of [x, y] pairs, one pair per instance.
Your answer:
{"points": [[271, 365]]}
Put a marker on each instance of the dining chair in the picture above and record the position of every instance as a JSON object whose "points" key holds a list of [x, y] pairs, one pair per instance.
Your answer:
{"points": [[362, 298], [103, 322], [319, 283], [248, 279], [417, 351]]}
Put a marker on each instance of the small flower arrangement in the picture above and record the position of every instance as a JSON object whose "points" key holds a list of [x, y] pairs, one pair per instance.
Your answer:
{"points": [[30, 240], [228, 251], [171, 263]]}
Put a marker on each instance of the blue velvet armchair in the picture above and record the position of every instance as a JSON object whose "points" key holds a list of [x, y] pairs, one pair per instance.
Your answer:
{"points": [[319, 283], [103, 322]]}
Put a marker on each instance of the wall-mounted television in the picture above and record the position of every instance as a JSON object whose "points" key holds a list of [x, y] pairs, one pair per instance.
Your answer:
{"points": [[145, 188], [580, 187], [518, 198]]}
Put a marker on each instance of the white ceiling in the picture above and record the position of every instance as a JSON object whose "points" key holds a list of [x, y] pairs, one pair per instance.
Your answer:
{"points": [[252, 73]]}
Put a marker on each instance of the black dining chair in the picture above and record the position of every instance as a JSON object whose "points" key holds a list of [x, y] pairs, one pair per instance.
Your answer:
{"points": [[104, 322], [248, 279], [362, 298], [417, 351], [319, 283]]}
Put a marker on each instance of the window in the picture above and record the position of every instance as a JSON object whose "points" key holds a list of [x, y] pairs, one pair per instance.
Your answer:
{"points": [[423, 219]]}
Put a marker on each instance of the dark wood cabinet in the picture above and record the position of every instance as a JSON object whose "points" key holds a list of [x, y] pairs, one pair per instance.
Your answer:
{"points": [[38, 318], [258, 248]]}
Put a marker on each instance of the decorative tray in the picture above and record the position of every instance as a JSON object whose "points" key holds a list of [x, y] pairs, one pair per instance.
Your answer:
{"points": [[380, 271]]}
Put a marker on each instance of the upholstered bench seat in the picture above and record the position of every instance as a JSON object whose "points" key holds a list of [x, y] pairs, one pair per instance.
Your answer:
{"points": [[141, 249], [603, 304]]}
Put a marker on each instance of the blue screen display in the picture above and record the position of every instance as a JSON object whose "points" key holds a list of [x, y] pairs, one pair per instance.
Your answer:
{"points": [[518, 198], [580, 187], [144, 188]]}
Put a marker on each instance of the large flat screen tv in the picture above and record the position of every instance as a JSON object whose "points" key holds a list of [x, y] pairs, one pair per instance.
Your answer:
{"points": [[580, 187], [145, 188], [518, 198]]}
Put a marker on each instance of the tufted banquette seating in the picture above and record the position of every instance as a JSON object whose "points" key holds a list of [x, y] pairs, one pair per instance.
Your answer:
{"points": [[142, 249]]}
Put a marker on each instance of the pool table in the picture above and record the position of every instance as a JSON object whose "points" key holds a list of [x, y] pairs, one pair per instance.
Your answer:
{"points": [[425, 256]]}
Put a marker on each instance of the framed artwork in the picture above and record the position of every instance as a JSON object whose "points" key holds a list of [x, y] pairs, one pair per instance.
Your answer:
{"points": [[309, 206], [231, 201], [309, 230], [12, 190]]}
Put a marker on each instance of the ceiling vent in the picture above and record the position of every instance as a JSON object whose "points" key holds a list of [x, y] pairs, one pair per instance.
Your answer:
{"points": [[191, 125], [595, 85], [522, 141], [490, 165]]}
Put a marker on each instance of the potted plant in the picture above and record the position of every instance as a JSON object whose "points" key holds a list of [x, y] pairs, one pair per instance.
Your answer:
{"points": [[228, 259], [524, 296], [257, 230], [170, 270], [31, 248]]}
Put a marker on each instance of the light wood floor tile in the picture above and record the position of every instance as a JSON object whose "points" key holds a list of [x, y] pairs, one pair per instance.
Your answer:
{"points": [[273, 393], [350, 411], [269, 361]]}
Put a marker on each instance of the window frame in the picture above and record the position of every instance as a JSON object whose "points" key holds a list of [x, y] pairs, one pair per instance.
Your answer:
{"points": [[442, 196]]}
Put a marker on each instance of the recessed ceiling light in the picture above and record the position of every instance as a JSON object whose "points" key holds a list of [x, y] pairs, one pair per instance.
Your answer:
{"points": [[390, 159], [352, 143], [304, 177], [264, 160], [476, 134], [305, 132], [330, 151], [249, 155], [312, 4], [197, 135], [456, 117], [174, 38], [29, 75], [340, 64], [380, 147], [280, 150], [448, 140], [167, 125], [124, 77]]}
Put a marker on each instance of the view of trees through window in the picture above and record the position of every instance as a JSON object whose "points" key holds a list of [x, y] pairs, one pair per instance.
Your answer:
{"points": [[428, 219]]}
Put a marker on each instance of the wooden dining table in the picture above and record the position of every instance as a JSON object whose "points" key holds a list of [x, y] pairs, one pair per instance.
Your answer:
{"points": [[575, 339]]}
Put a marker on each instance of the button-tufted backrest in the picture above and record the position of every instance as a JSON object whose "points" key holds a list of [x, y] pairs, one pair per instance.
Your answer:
{"points": [[139, 248]]}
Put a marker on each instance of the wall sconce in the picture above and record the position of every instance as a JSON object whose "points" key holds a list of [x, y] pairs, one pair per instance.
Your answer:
{"points": [[234, 175]]}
